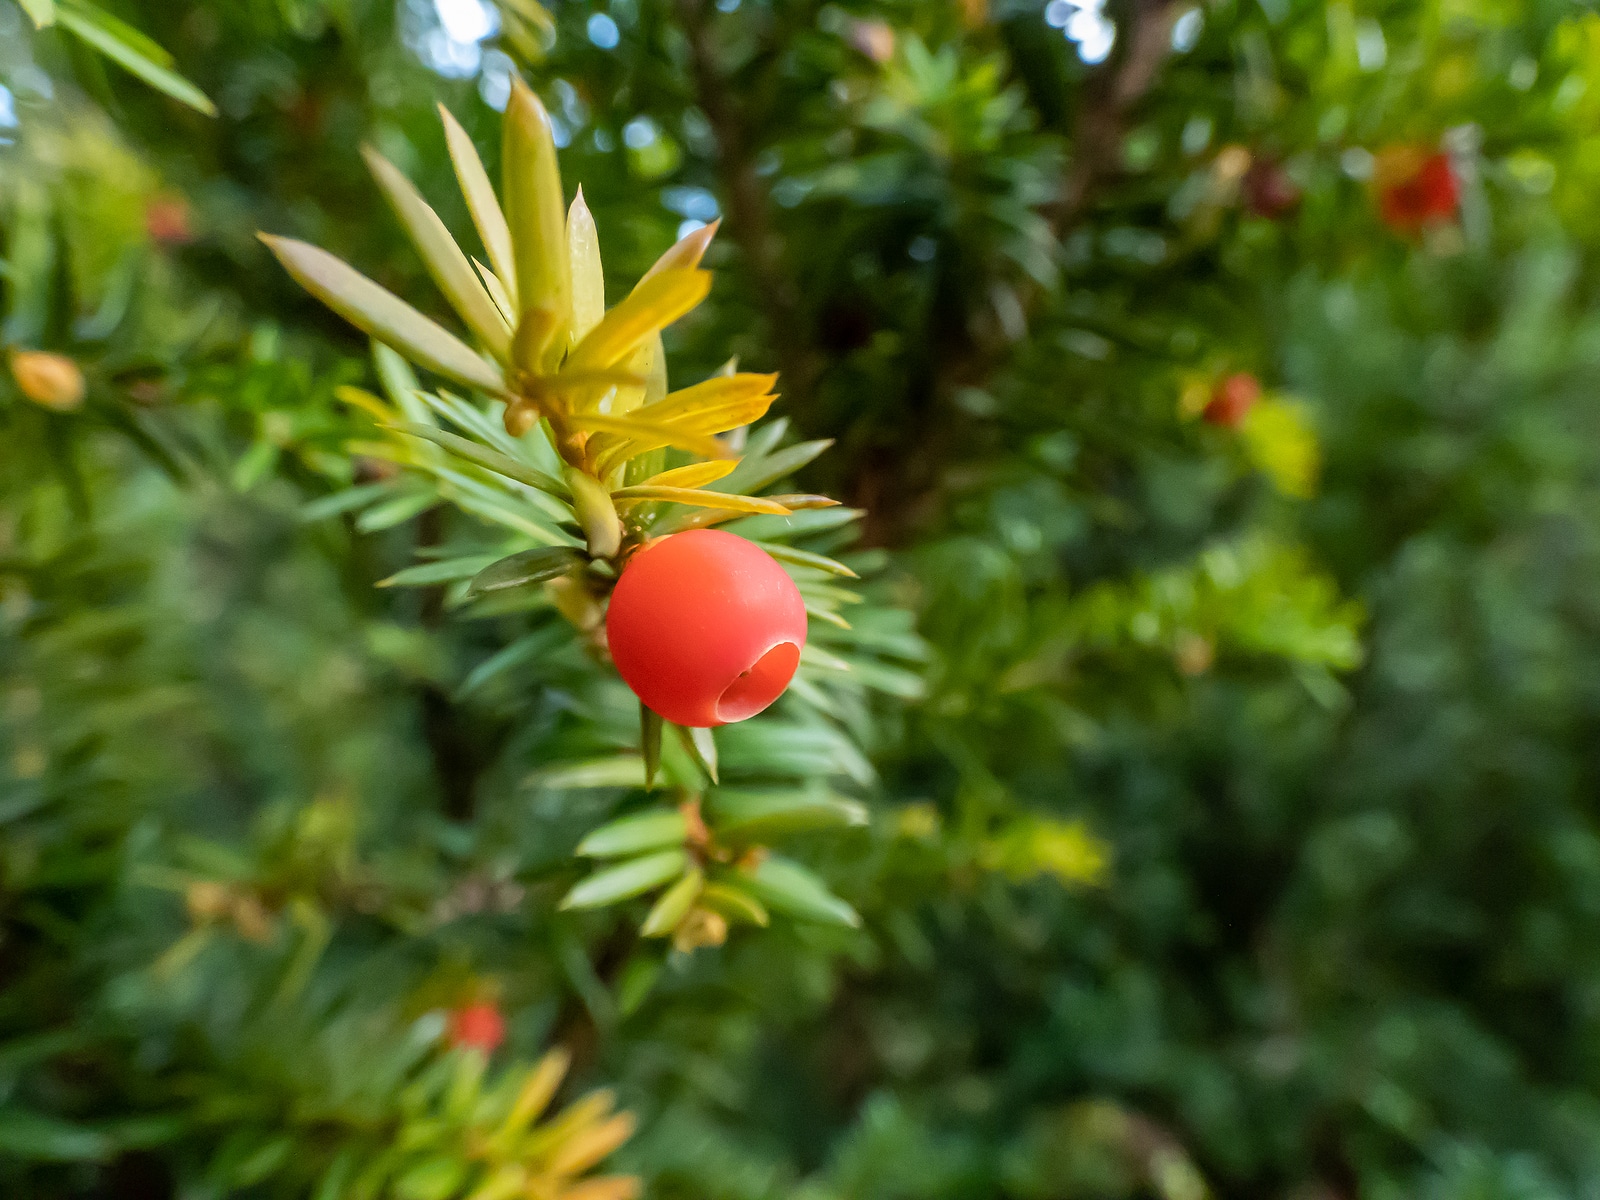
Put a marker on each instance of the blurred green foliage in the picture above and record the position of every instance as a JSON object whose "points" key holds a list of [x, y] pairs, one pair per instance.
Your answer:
{"points": [[1211, 792]]}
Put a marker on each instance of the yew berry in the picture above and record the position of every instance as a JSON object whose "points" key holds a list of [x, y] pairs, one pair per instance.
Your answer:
{"points": [[1268, 190], [166, 220], [1416, 190], [1233, 398], [706, 627], [478, 1025]]}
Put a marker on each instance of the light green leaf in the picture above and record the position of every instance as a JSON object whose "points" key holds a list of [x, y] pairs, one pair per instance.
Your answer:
{"points": [[779, 748], [446, 571], [497, 291], [763, 814], [136, 40], [130, 49], [535, 208], [827, 616], [797, 524], [674, 904], [791, 888], [394, 512], [596, 513], [734, 903], [701, 747], [588, 275], [756, 473], [446, 264], [382, 314], [435, 1178], [504, 659], [627, 879], [483, 206], [483, 456], [40, 12], [632, 835], [805, 558], [619, 770], [399, 382]]}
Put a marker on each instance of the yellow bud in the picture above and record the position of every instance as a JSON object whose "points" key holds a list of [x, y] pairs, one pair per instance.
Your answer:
{"points": [[1194, 653], [605, 1187], [701, 927], [591, 1144], [520, 418], [252, 920], [51, 380], [207, 900]]}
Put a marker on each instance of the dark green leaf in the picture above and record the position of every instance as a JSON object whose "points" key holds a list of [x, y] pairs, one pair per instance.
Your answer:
{"points": [[701, 747], [650, 742], [445, 571], [790, 888], [524, 569]]}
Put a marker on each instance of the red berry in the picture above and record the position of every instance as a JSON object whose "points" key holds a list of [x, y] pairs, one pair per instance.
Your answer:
{"points": [[1268, 190], [706, 627], [1233, 398], [479, 1026], [1427, 194], [166, 219]]}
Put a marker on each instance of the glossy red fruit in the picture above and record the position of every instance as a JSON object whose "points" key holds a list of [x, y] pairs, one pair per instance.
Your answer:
{"points": [[1426, 194], [706, 627], [477, 1025], [1233, 398]]}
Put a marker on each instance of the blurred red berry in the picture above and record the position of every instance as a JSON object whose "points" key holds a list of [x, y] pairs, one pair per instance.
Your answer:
{"points": [[1268, 190], [706, 627], [1232, 398], [166, 220], [479, 1026], [1415, 190]]}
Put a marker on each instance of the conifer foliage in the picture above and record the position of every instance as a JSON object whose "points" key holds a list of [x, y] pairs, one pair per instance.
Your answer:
{"points": [[1026, 630]]}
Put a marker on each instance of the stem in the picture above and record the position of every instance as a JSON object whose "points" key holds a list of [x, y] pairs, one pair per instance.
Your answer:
{"points": [[1103, 116]]}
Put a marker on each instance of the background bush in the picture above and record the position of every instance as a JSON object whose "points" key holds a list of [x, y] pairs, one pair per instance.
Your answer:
{"points": [[1232, 823]]}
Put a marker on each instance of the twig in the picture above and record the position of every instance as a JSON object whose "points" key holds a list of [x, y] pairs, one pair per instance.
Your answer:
{"points": [[906, 487], [749, 203], [1103, 114]]}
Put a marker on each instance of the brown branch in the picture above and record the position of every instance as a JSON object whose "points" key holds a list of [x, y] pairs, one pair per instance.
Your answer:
{"points": [[1110, 100], [748, 203], [904, 489]]}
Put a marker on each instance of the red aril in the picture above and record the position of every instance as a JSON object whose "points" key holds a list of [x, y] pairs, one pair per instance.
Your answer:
{"points": [[706, 627]]}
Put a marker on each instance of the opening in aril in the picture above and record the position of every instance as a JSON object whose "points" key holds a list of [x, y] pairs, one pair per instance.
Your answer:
{"points": [[760, 685]]}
